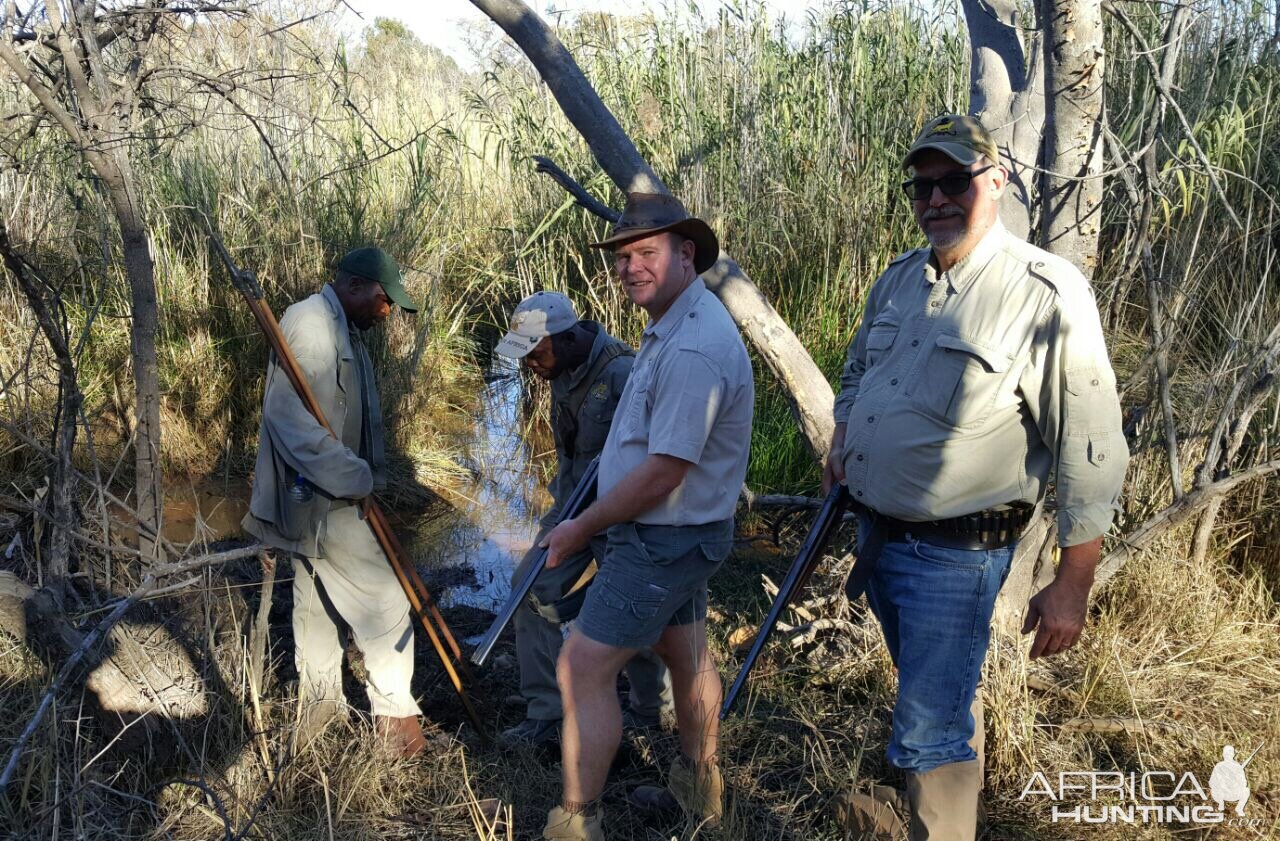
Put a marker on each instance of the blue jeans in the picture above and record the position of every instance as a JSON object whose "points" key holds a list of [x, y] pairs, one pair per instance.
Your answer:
{"points": [[934, 605]]}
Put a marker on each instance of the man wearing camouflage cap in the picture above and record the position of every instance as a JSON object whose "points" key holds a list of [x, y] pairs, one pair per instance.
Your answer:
{"points": [[978, 371], [306, 487], [587, 369]]}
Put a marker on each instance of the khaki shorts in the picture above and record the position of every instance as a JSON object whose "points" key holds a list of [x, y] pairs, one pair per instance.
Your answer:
{"points": [[652, 577]]}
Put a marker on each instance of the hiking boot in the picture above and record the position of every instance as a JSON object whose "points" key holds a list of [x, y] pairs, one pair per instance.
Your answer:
{"points": [[532, 732], [563, 826], [878, 815], [401, 736], [698, 791], [316, 718], [945, 802]]}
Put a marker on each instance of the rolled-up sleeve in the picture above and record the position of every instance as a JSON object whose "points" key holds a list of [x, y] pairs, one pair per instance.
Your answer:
{"points": [[688, 392], [1077, 411]]}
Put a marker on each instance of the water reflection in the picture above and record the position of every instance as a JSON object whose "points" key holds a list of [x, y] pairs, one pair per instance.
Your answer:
{"points": [[494, 516]]}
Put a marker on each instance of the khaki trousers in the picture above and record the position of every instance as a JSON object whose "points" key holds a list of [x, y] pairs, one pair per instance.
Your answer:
{"points": [[351, 583]]}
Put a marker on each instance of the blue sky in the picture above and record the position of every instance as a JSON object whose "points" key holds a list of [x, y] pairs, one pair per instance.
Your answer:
{"points": [[444, 23]]}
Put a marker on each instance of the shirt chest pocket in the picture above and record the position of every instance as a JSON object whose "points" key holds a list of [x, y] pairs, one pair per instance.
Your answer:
{"points": [[594, 421], [961, 380], [880, 339], [638, 397]]}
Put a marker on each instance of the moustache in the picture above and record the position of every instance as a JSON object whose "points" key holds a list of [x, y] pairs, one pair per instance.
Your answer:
{"points": [[941, 213]]}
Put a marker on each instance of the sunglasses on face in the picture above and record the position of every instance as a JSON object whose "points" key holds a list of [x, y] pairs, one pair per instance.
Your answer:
{"points": [[952, 184]]}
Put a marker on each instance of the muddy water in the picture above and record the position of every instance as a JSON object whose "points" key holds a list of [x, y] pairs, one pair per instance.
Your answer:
{"points": [[196, 511], [493, 518]]}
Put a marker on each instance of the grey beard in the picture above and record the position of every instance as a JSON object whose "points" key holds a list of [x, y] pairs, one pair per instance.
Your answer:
{"points": [[948, 240]]}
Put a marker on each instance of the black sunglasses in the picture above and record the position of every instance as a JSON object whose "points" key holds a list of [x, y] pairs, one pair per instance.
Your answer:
{"points": [[953, 184]]}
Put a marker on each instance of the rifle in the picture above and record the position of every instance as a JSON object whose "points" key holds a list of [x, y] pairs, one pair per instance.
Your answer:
{"points": [[420, 600], [583, 494], [829, 518]]}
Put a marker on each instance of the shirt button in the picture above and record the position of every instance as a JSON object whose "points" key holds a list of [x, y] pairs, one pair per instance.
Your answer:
{"points": [[893, 381], [1093, 382], [1102, 456], [915, 342], [859, 456], [859, 493], [871, 419]]}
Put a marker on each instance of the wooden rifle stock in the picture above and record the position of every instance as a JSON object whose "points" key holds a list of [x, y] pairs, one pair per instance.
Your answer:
{"points": [[829, 518], [424, 606], [583, 493]]}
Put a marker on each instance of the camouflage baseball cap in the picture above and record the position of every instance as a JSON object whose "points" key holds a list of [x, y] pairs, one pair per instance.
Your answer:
{"points": [[960, 137], [540, 315]]}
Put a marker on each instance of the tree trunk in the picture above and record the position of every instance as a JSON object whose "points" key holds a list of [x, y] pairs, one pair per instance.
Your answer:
{"points": [[116, 173], [1006, 94], [808, 391], [1071, 190]]}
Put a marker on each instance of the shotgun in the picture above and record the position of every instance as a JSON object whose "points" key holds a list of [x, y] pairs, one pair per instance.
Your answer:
{"points": [[829, 518], [583, 494], [420, 600]]}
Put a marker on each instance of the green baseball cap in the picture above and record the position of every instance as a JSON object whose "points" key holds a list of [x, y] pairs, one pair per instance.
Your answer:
{"points": [[375, 264], [960, 137]]}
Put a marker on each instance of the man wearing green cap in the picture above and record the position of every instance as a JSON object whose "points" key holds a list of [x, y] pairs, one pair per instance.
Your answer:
{"points": [[306, 487], [587, 369], [979, 371]]}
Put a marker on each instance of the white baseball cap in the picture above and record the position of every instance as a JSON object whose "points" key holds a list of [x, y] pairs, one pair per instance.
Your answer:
{"points": [[540, 315]]}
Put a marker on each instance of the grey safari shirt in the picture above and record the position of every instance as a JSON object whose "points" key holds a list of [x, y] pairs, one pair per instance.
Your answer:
{"points": [[690, 395], [968, 390], [595, 416]]}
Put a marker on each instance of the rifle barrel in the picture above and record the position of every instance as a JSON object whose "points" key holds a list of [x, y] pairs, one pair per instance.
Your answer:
{"points": [[828, 520]]}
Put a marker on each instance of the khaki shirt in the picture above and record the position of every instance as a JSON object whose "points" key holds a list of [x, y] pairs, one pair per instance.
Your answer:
{"points": [[968, 390], [691, 396], [291, 442]]}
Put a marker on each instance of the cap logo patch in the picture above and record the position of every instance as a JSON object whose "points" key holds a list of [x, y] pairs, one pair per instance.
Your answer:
{"points": [[947, 127]]}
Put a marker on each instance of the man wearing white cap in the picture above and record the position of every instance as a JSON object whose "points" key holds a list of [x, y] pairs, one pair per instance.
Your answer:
{"points": [[587, 369]]}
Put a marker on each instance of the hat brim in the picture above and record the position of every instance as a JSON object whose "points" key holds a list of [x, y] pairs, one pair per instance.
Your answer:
{"points": [[706, 247], [515, 346], [957, 152], [397, 293]]}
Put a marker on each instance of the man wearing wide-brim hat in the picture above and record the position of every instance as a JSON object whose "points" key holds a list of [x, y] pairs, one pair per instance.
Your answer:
{"points": [[670, 472], [306, 491]]}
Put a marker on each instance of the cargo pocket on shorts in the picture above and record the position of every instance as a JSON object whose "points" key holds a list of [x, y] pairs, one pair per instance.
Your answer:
{"points": [[628, 593]]}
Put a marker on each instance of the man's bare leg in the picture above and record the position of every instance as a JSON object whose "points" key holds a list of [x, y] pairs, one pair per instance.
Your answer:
{"points": [[696, 686], [587, 672]]}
